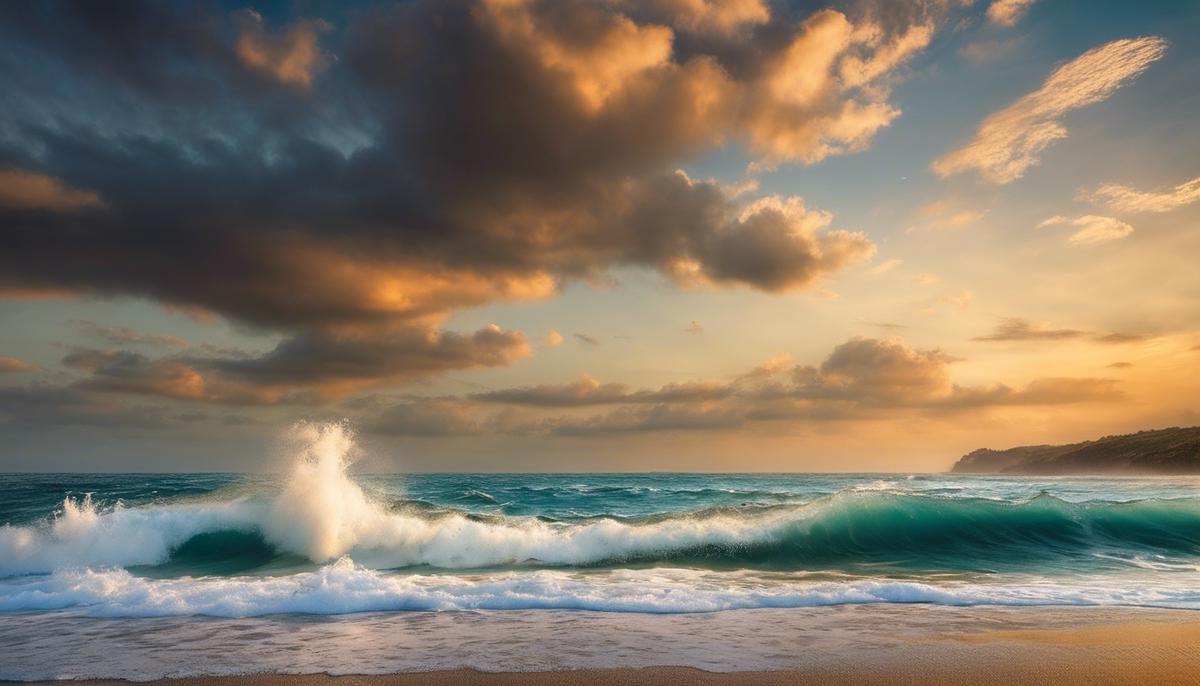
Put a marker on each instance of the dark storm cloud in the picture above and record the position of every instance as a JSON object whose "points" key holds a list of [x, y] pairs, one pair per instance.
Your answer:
{"points": [[476, 150], [349, 181]]}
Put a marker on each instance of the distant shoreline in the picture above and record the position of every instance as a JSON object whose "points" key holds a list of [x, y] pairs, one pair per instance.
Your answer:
{"points": [[1173, 451]]}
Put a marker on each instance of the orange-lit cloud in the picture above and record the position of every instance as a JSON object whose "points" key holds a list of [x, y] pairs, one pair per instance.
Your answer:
{"points": [[1008, 12], [1128, 199], [721, 17], [313, 368], [824, 93], [1011, 141], [1093, 228], [1017, 329], [862, 379], [292, 56], [22, 189], [12, 365]]}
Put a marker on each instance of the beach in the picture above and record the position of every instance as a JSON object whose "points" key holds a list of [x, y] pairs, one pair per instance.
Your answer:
{"points": [[841, 645], [836, 578]]}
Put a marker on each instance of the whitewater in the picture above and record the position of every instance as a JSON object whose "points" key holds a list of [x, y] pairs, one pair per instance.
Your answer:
{"points": [[318, 539]]}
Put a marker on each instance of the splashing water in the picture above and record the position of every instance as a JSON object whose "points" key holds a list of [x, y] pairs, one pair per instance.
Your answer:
{"points": [[321, 513], [315, 539]]}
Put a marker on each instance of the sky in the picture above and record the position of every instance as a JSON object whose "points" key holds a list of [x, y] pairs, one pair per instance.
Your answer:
{"points": [[595, 235]]}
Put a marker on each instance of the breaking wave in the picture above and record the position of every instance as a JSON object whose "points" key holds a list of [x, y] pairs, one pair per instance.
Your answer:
{"points": [[320, 514]]}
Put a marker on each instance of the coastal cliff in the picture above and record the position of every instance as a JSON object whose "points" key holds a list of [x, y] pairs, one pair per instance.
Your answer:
{"points": [[1163, 451]]}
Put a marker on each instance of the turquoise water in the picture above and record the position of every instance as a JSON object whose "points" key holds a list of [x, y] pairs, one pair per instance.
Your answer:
{"points": [[320, 569], [321, 540]]}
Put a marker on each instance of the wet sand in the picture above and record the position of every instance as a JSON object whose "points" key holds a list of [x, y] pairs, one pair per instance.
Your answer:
{"points": [[1100, 647]]}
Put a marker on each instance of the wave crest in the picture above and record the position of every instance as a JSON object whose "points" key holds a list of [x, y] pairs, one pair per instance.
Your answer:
{"points": [[321, 514]]}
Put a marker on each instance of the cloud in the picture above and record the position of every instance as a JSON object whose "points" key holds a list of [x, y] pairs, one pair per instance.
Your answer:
{"points": [[876, 371], [589, 391], [1093, 228], [586, 339], [1049, 391], [586, 391], [1011, 141], [987, 50], [41, 404], [1008, 12], [695, 328], [123, 335], [961, 299], [292, 56], [1017, 329], [822, 94], [928, 279], [428, 418], [311, 368], [943, 215], [325, 366], [885, 266], [553, 338], [129, 372], [721, 17], [12, 365], [1127, 199], [652, 418], [861, 379], [453, 155], [21, 189], [1014, 329]]}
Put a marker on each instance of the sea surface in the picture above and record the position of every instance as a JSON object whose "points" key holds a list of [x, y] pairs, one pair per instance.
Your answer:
{"points": [[319, 548]]}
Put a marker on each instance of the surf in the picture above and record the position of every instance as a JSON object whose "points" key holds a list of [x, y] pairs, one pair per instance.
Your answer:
{"points": [[319, 513]]}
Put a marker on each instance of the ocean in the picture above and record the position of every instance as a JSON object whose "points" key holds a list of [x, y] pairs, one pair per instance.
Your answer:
{"points": [[177, 574]]}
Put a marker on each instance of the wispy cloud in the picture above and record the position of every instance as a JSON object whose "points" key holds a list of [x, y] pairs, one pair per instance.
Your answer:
{"points": [[961, 299], [1017, 329], [13, 365], [1008, 12], [123, 335], [946, 215], [885, 266], [1011, 141], [1128, 199], [1093, 228], [22, 189]]}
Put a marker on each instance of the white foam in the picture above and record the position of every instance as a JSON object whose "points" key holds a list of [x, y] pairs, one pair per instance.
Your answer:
{"points": [[81, 535], [321, 513], [344, 587]]}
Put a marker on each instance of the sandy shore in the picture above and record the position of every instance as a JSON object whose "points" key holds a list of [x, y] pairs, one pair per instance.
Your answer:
{"points": [[1150, 648]]}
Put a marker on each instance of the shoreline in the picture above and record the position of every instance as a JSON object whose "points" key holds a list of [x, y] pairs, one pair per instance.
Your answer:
{"points": [[924, 645]]}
